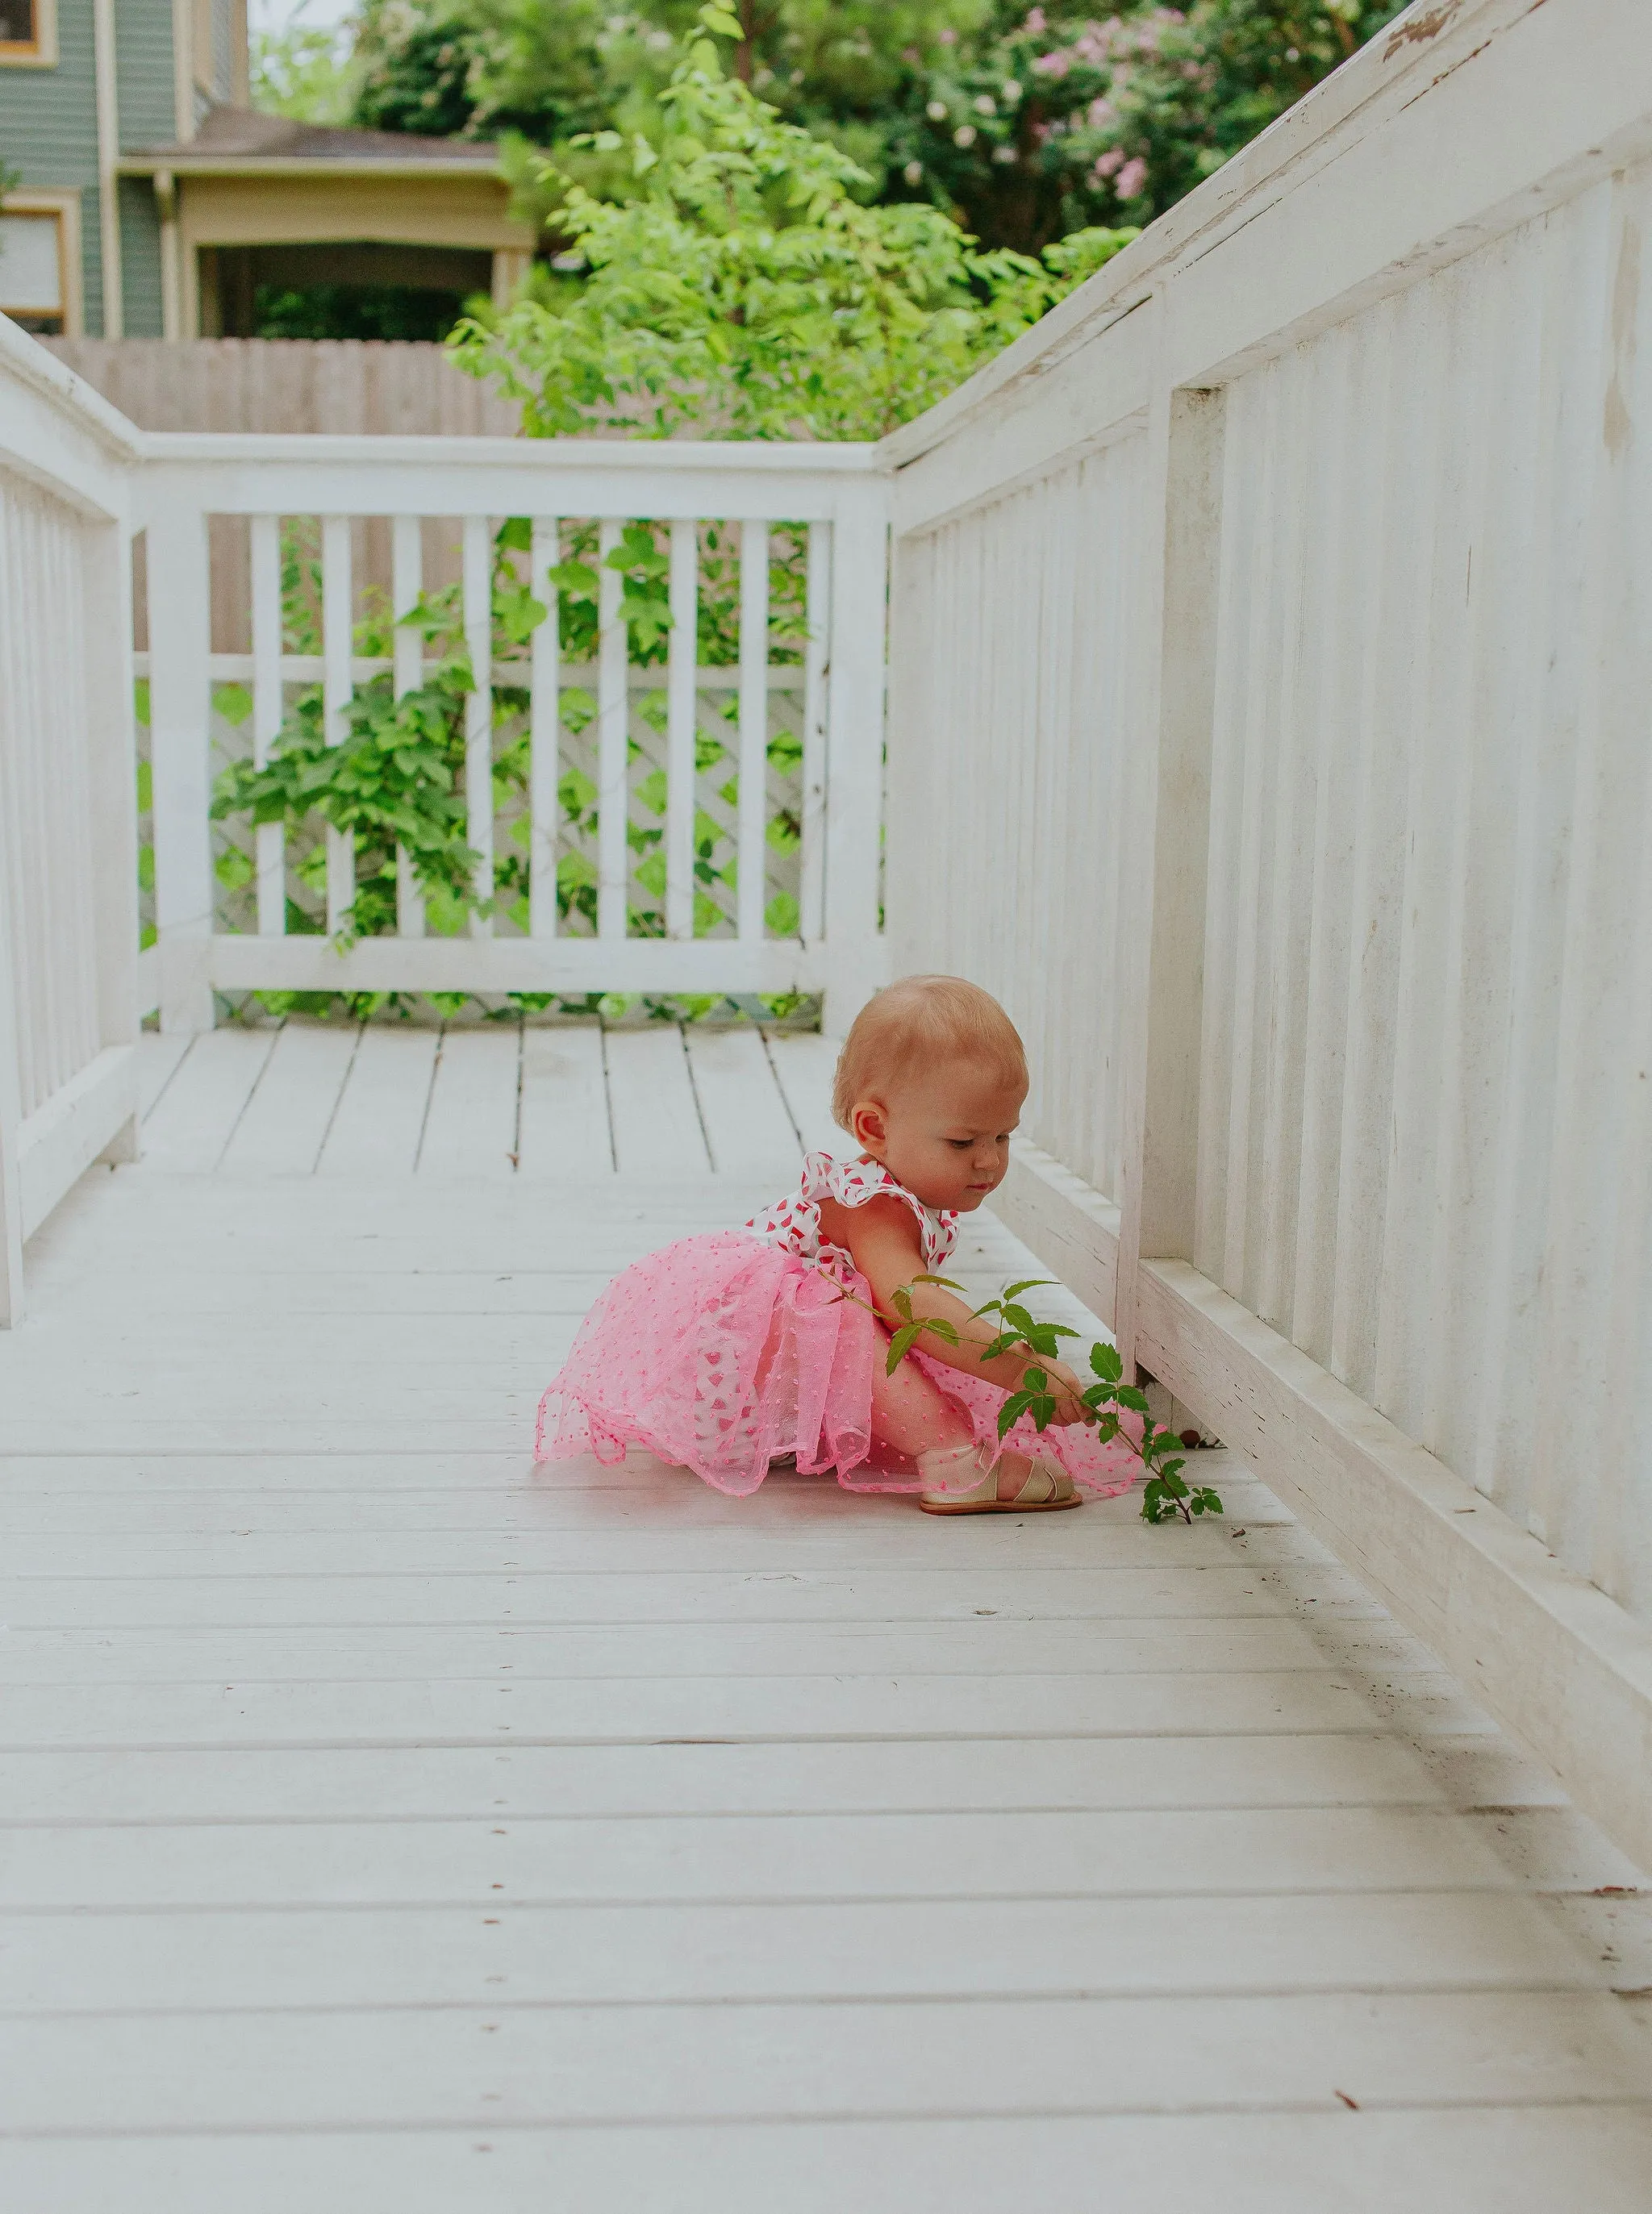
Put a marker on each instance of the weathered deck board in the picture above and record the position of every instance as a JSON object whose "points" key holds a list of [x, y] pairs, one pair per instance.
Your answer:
{"points": [[381, 1824]]}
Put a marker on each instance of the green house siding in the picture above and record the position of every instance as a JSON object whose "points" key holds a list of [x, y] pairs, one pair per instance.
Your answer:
{"points": [[48, 131], [140, 258], [143, 72]]}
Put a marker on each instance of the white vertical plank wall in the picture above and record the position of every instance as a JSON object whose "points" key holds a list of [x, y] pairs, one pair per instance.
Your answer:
{"points": [[1272, 647]]}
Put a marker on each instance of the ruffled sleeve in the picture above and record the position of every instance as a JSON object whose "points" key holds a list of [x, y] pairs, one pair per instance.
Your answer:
{"points": [[852, 1183]]}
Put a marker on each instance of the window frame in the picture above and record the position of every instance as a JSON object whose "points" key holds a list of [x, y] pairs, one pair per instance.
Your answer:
{"points": [[41, 50], [64, 208]]}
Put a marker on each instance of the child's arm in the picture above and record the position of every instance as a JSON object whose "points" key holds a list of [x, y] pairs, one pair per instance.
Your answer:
{"points": [[882, 1239]]}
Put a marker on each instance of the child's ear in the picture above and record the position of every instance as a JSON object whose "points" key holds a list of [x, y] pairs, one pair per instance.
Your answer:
{"points": [[867, 1126]]}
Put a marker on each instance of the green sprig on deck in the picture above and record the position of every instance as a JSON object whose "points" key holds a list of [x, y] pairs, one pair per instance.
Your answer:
{"points": [[1166, 1493]]}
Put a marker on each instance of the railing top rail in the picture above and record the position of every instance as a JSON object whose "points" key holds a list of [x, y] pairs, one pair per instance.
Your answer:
{"points": [[1417, 53], [68, 396], [540, 456]]}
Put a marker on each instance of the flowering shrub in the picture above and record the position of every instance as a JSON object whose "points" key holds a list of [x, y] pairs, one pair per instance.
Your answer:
{"points": [[1049, 121]]}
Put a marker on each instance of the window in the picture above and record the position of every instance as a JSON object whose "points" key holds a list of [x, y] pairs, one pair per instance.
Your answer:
{"points": [[40, 262], [28, 33]]}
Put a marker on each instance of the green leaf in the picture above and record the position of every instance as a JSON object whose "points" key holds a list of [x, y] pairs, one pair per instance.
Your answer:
{"points": [[1106, 1363], [937, 1326], [945, 1282], [1128, 1396], [1029, 1284], [1012, 1411], [900, 1345]]}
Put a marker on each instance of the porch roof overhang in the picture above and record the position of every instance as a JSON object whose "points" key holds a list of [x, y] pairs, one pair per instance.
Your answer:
{"points": [[236, 142], [248, 180]]}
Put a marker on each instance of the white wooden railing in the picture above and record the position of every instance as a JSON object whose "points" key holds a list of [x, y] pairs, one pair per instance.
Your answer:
{"points": [[450, 494], [68, 888], [1271, 728]]}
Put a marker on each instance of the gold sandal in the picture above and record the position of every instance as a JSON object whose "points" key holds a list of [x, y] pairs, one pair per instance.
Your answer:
{"points": [[1046, 1486]]}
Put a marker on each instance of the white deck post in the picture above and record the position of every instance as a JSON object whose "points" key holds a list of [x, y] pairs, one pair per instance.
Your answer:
{"points": [[854, 758], [180, 708], [1163, 997], [114, 759], [11, 1114]]}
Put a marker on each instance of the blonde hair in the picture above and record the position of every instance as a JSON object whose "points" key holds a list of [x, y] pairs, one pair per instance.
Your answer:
{"points": [[916, 1024]]}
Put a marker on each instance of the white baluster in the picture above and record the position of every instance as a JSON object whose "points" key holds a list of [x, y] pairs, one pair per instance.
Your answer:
{"points": [[681, 703], [613, 745], [406, 583], [811, 886], [479, 710], [269, 842], [754, 725], [180, 602], [337, 610], [544, 734]]}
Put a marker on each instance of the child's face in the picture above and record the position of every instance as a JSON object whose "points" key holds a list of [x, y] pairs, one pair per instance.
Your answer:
{"points": [[945, 1135]]}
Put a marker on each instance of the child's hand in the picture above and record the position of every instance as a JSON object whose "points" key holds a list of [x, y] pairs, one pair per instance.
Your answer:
{"points": [[1068, 1390]]}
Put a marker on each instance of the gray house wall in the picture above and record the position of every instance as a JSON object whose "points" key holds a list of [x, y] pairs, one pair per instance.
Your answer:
{"points": [[48, 130]]}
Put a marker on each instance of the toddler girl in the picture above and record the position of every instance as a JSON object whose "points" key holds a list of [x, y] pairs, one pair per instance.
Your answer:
{"points": [[728, 1353]]}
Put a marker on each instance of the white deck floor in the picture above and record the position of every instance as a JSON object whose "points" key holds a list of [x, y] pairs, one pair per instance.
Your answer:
{"points": [[385, 1829]]}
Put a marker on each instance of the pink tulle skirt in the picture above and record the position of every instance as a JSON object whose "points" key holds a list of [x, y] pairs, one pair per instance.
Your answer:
{"points": [[723, 1355]]}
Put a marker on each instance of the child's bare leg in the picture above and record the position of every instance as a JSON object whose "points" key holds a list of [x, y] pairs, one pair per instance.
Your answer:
{"points": [[909, 1412], [913, 1416]]}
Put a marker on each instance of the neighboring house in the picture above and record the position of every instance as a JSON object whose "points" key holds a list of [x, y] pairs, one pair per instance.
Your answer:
{"points": [[154, 202]]}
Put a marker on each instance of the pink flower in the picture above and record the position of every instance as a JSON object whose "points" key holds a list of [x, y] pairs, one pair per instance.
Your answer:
{"points": [[1131, 178], [1035, 22], [1056, 64], [948, 37], [1112, 161], [1100, 113]]}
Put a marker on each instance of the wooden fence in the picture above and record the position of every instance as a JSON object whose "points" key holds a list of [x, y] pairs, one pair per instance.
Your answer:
{"points": [[1271, 654], [343, 388], [299, 388]]}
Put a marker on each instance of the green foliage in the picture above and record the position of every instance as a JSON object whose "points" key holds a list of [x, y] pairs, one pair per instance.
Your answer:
{"points": [[1166, 1493], [1024, 123], [302, 72], [10, 179], [1053, 119], [745, 288]]}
